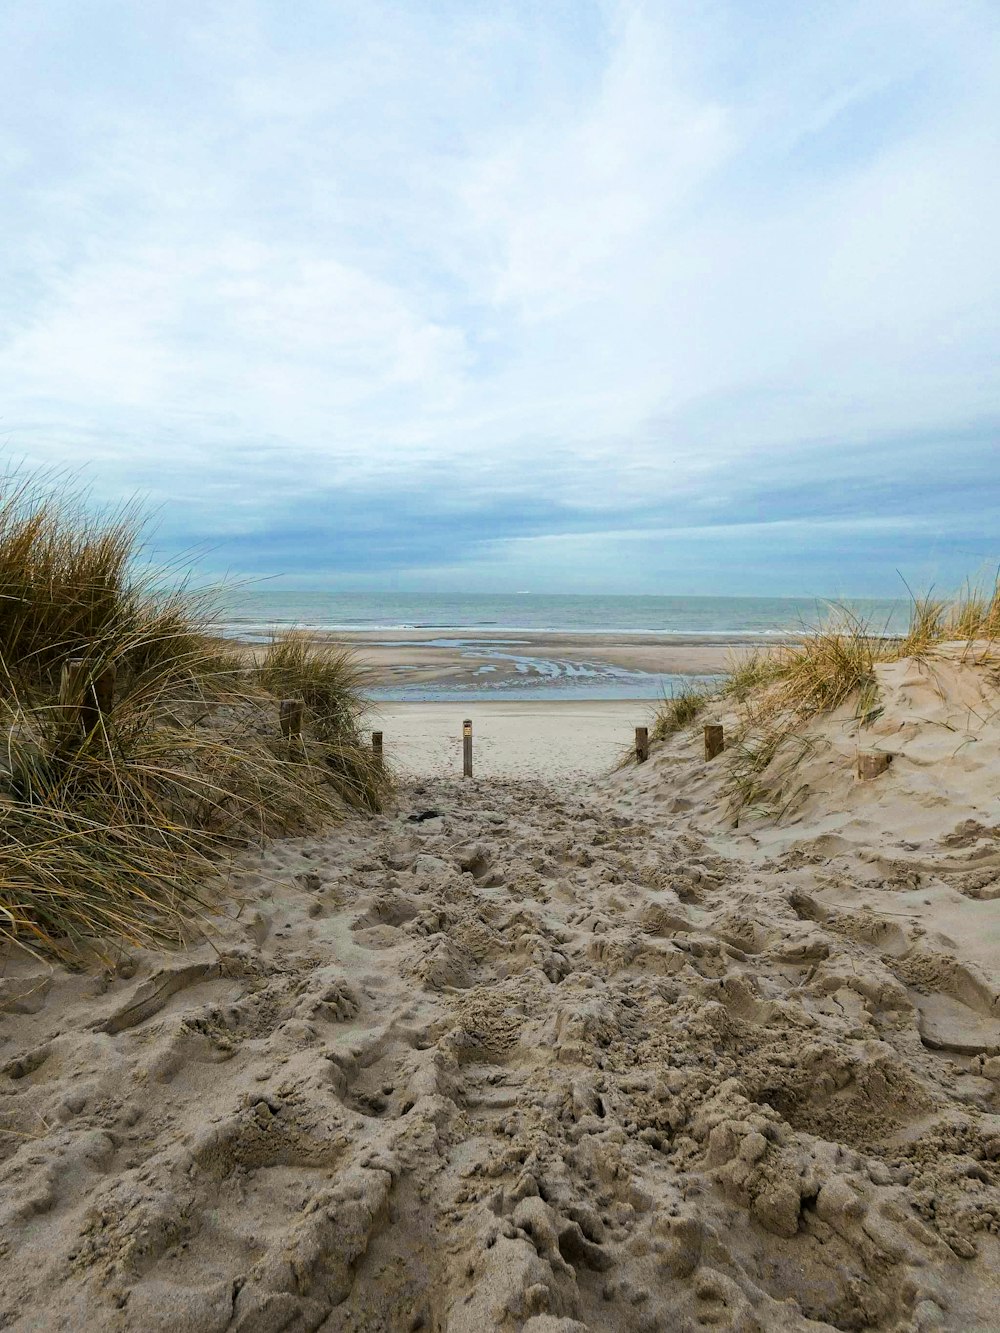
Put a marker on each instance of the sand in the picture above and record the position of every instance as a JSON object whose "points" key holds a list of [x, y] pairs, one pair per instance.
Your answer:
{"points": [[406, 657], [549, 1056], [546, 740]]}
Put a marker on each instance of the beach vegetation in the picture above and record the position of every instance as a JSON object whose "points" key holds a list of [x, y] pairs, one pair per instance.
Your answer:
{"points": [[113, 820], [774, 692], [829, 668], [747, 672], [678, 711], [328, 680], [330, 683]]}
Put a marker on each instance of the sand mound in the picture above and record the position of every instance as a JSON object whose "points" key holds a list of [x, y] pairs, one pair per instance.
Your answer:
{"points": [[936, 718], [540, 1061]]}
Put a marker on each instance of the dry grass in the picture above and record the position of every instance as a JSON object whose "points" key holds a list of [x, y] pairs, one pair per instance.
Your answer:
{"points": [[832, 667], [678, 712], [329, 681], [836, 662], [748, 672], [110, 834], [776, 691], [68, 586]]}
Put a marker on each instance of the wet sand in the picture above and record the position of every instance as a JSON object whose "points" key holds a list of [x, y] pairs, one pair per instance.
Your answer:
{"points": [[460, 659]]}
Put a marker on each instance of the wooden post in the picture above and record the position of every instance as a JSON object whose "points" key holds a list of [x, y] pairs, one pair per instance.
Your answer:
{"points": [[86, 696], [103, 686], [715, 741], [871, 764], [467, 748], [70, 694], [290, 718], [641, 745], [69, 682], [377, 746]]}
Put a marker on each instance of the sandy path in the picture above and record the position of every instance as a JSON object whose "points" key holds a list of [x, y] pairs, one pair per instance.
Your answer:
{"points": [[537, 1061]]}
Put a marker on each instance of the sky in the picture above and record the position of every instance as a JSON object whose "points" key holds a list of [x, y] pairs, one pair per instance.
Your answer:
{"points": [[559, 295]]}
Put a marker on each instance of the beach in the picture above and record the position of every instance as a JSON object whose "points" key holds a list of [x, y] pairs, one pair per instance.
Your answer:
{"points": [[612, 647], [566, 1047], [545, 740], [500, 668], [414, 665]]}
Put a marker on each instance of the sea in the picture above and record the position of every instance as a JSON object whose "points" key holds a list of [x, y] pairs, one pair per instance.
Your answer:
{"points": [[256, 612], [465, 622]]}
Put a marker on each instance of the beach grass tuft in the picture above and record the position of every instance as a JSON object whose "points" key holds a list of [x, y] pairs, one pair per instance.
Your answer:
{"points": [[113, 821], [775, 691], [330, 682], [678, 711]]}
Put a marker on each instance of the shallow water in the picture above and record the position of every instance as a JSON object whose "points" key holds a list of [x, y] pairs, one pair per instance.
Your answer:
{"points": [[544, 678]]}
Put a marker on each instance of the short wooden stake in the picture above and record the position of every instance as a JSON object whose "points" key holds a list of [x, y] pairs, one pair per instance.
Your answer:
{"points": [[85, 695], [71, 693], [871, 764], [467, 748], [290, 718], [715, 741], [377, 746], [641, 744], [103, 686], [71, 685]]}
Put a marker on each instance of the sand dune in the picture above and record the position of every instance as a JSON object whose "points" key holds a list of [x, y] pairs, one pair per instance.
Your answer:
{"points": [[548, 1057]]}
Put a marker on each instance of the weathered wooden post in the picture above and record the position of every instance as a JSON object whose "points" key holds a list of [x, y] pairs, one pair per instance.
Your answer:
{"points": [[290, 718], [71, 690], [871, 764], [467, 748], [641, 744], [715, 741], [377, 746], [103, 686], [86, 695]]}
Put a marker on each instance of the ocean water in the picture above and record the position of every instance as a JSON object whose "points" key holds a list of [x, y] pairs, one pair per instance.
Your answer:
{"points": [[465, 624], [253, 613]]}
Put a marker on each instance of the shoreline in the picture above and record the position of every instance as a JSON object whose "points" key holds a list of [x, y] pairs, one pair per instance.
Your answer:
{"points": [[537, 660], [257, 630]]}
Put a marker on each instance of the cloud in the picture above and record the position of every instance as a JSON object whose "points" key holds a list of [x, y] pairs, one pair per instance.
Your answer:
{"points": [[408, 291]]}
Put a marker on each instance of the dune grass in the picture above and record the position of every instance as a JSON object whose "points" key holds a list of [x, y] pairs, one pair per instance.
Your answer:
{"points": [[775, 691], [678, 711], [328, 680], [111, 823], [330, 683], [748, 672]]}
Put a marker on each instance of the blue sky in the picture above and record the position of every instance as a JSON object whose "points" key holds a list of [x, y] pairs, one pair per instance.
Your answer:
{"points": [[639, 297]]}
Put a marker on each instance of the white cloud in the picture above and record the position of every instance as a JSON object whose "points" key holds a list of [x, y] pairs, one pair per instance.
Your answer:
{"points": [[639, 243]]}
